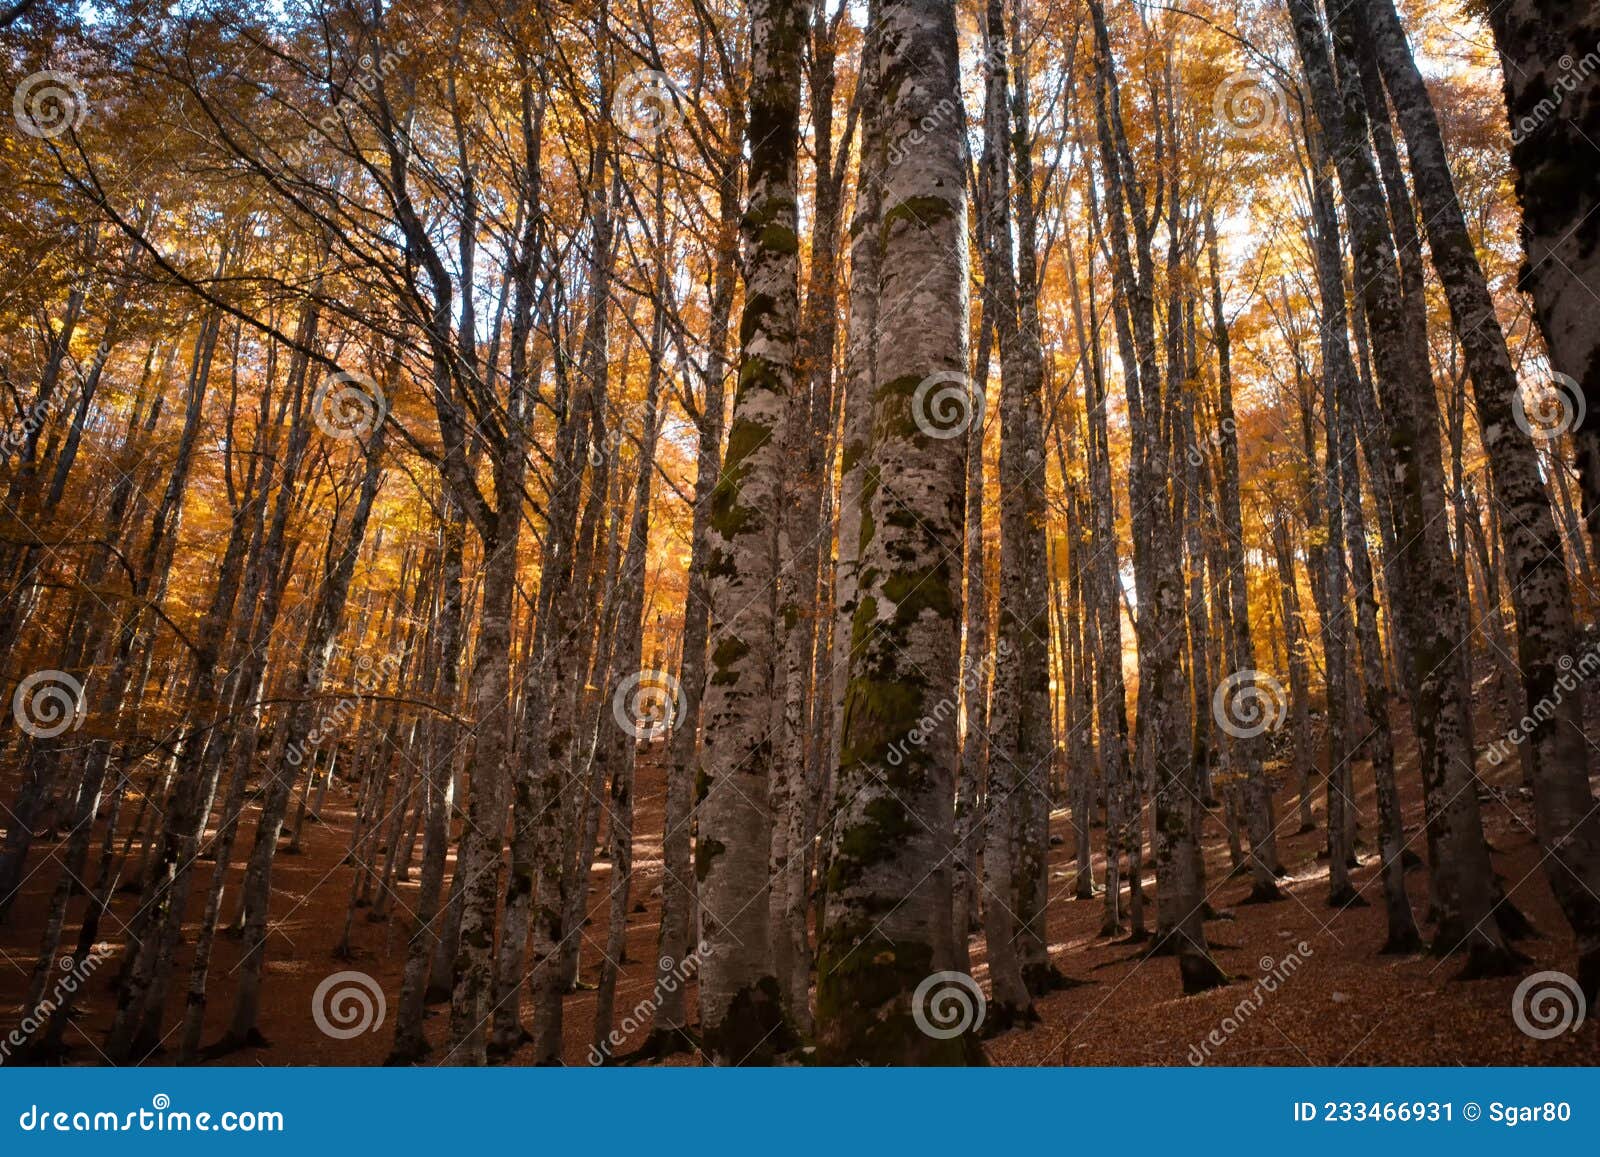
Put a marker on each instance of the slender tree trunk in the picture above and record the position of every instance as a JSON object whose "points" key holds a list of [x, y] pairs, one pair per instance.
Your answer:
{"points": [[1111, 695], [1015, 750], [977, 667], [629, 633], [1245, 752], [678, 890], [410, 1042], [741, 1013], [861, 357], [1162, 694]]}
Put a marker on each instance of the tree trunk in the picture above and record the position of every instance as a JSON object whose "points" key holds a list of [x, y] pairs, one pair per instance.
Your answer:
{"points": [[315, 653], [1244, 752], [1555, 120], [1015, 748], [410, 1042], [741, 1013], [678, 889], [1564, 806], [887, 931], [1462, 869]]}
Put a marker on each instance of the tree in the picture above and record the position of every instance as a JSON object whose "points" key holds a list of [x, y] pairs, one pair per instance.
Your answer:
{"points": [[1568, 825], [1553, 117], [886, 927], [741, 1002]]}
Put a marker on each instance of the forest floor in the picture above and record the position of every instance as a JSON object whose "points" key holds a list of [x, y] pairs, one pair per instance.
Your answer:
{"points": [[1342, 1003]]}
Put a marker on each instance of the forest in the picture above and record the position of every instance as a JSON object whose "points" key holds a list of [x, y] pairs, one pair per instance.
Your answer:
{"points": [[799, 532]]}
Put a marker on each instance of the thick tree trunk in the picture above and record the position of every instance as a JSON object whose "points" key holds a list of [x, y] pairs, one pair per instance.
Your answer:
{"points": [[1555, 123], [887, 932]]}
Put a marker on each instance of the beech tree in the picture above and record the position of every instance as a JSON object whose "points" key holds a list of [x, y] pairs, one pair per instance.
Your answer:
{"points": [[886, 926]]}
